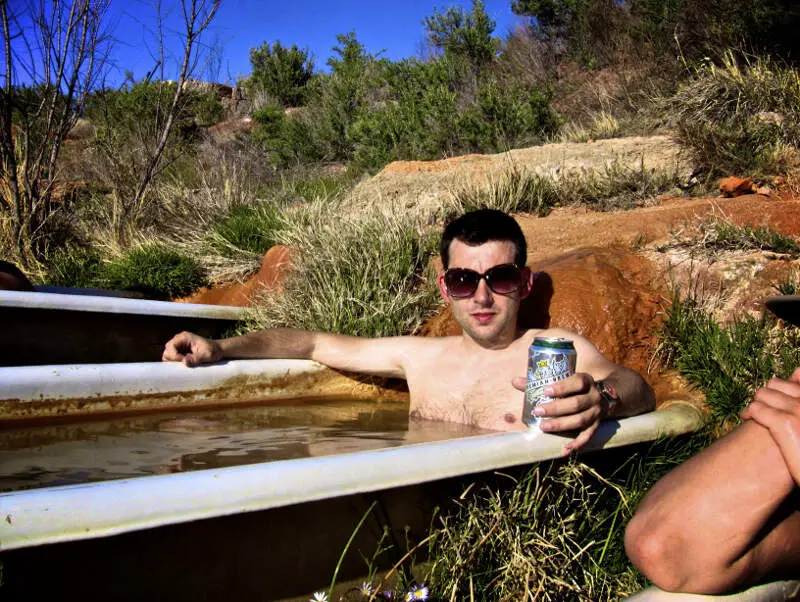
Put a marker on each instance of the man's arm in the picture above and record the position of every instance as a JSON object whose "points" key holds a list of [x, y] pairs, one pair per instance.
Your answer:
{"points": [[777, 408], [381, 357], [579, 404]]}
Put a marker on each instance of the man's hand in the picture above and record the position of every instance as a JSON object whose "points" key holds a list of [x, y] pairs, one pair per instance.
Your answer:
{"points": [[777, 408], [191, 349], [578, 406]]}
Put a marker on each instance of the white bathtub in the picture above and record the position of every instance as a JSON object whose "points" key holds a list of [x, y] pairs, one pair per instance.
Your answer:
{"points": [[323, 496]]}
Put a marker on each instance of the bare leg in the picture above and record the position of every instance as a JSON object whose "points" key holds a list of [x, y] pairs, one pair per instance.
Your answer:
{"points": [[721, 520]]}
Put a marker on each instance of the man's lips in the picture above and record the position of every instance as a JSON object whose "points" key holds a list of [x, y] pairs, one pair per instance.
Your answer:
{"points": [[483, 317]]}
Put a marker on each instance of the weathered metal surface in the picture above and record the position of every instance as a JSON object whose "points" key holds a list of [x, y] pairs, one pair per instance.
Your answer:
{"points": [[43, 328]]}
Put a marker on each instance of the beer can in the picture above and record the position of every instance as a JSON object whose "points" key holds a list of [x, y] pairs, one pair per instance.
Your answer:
{"points": [[549, 360]]}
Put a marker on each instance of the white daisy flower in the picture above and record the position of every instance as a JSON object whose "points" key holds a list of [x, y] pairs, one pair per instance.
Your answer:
{"points": [[417, 592]]}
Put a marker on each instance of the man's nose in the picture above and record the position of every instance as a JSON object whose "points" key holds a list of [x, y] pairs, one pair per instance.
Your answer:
{"points": [[483, 294]]}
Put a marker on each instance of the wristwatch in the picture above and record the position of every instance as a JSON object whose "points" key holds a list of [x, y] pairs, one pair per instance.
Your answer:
{"points": [[608, 393]]}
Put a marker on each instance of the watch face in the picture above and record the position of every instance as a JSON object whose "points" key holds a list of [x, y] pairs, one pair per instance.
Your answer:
{"points": [[610, 391]]}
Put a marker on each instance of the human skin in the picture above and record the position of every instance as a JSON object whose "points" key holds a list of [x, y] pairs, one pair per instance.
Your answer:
{"points": [[467, 378], [727, 519]]}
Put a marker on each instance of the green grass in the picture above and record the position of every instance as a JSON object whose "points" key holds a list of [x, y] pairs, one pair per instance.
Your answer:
{"points": [[249, 228], [616, 186], [789, 286], [727, 363], [726, 236], [550, 532], [363, 276], [156, 272], [74, 266], [715, 235]]}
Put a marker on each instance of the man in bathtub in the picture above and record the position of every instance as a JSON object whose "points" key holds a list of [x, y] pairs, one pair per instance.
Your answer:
{"points": [[475, 378]]}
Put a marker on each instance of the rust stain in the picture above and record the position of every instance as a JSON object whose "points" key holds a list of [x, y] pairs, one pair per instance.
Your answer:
{"points": [[237, 391]]}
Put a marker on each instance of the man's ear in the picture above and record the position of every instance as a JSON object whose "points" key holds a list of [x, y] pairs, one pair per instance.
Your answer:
{"points": [[442, 287], [527, 283]]}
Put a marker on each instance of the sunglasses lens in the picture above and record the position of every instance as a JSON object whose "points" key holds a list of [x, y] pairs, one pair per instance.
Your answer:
{"points": [[503, 279], [461, 283]]}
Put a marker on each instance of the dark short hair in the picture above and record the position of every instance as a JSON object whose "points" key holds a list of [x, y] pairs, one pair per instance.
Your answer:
{"points": [[478, 227]]}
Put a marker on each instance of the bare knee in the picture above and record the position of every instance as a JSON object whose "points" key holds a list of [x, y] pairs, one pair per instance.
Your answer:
{"points": [[654, 552], [675, 559]]}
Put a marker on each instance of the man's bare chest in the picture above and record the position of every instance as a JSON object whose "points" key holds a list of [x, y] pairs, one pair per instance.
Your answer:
{"points": [[477, 392]]}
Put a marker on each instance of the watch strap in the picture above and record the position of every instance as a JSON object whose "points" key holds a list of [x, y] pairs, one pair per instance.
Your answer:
{"points": [[608, 393]]}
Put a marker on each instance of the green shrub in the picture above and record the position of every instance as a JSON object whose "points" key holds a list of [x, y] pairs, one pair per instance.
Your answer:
{"points": [[74, 266], [507, 116], [155, 271], [207, 108], [430, 112], [249, 228], [281, 72], [464, 35], [739, 117], [271, 134]]}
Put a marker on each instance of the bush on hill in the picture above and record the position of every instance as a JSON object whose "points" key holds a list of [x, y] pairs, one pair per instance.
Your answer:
{"points": [[741, 116]]}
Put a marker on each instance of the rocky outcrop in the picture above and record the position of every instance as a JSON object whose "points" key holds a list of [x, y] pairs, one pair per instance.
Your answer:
{"points": [[428, 185]]}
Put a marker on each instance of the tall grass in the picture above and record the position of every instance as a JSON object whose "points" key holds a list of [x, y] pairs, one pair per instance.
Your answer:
{"points": [[741, 116], [354, 275], [616, 186], [551, 532], [601, 125]]}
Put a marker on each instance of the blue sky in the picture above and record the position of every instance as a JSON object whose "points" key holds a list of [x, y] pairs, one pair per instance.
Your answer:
{"points": [[394, 27]]}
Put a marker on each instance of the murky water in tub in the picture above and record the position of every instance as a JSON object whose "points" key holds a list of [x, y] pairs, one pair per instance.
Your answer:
{"points": [[163, 443]]}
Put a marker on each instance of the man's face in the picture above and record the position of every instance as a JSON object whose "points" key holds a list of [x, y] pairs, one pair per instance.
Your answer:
{"points": [[489, 318]]}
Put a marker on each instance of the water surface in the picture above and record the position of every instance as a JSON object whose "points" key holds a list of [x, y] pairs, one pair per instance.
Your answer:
{"points": [[162, 443]]}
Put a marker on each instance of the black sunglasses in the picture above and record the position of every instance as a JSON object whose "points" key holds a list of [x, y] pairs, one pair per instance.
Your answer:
{"points": [[501, 279]]}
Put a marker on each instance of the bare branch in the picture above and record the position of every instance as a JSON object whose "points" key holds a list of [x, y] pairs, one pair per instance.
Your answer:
{"points": [[65, 49], [198, 15]]}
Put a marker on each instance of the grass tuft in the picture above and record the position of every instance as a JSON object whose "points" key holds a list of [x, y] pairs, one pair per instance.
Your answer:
{"points": [[602, 125], [555, 532], [727, 363], [720, 234], [363, 276], [789, 286], [156, 272], [74, 266], [741, 116], [249, 228], [617, 186]]}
